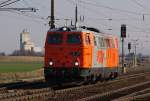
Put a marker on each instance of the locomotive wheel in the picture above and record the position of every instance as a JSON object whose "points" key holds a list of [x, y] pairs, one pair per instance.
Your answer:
{"points": [[93, 79], [86, 80], [47, 79], [99, 78], [115, 74], [111, 76]]}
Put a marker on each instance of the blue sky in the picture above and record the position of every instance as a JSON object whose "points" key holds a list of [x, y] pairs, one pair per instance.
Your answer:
{"points": [[96, 12]]}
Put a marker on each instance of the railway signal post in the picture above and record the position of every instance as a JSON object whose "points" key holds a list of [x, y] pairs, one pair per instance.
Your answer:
{"points": [[123, 35], [129, 48], [135, 49]]}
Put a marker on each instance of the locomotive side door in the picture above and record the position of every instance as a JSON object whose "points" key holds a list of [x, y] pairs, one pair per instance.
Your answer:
{"points": [[88, 50], [98, 52]]}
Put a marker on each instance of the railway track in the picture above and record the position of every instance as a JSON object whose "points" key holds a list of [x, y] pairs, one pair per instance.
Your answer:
{"points": [[139, 95], [142, 97], [7, 88], [118, 93], [74, 93]]}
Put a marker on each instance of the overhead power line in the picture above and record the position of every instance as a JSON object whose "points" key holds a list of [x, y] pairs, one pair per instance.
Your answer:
{"points": [[110, 8], [19, 9], [5, 2], [9, 3], [139, 4], [97, 12]]}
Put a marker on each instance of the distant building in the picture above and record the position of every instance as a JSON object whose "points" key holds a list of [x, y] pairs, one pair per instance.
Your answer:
{"points": [[37, 49], [25, 43]]}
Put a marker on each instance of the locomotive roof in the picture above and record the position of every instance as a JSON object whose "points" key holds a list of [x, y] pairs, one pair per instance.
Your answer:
{"points": [[81, 29]]}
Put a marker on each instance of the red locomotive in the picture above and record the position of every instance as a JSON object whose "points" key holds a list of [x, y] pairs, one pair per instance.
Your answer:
{"points": [[80, 53]]}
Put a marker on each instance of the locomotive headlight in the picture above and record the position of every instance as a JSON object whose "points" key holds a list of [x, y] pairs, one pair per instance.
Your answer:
{"points": [[64, 29], [76, 63], [50, 63]]}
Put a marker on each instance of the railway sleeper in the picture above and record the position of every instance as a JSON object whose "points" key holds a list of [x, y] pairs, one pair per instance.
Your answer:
{"points": [[117, 93]]}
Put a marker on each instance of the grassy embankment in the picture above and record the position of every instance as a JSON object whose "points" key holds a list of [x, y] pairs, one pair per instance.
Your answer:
{"points": [[20, 64]]}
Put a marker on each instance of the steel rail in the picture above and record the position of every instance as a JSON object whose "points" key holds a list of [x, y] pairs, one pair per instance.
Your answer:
{"points": [[117, 93], [142, 97], [51, 93], [133, 95]]}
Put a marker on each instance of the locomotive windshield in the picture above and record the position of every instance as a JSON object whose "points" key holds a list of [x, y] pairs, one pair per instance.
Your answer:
{"points": [[55, 38], [74, 39]]}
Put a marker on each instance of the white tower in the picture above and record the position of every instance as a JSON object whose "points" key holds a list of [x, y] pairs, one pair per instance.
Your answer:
{"points": [[25, 43]]}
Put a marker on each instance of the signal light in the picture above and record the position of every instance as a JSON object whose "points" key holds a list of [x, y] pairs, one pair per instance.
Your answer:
{"points": [[129, 46], [123, 30]]}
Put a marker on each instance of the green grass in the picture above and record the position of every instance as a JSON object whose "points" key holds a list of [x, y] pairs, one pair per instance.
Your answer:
{"points": [[6, 67]]}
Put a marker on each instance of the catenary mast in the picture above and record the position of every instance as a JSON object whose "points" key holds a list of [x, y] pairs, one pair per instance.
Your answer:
{"points": [[52, 17]]}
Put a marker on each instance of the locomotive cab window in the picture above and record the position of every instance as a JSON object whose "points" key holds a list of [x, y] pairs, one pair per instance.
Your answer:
{"points": [[108, 45], [87, 39], [112, 43], [101, 42], [55, 38], [74, 38], [95, 42]]}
